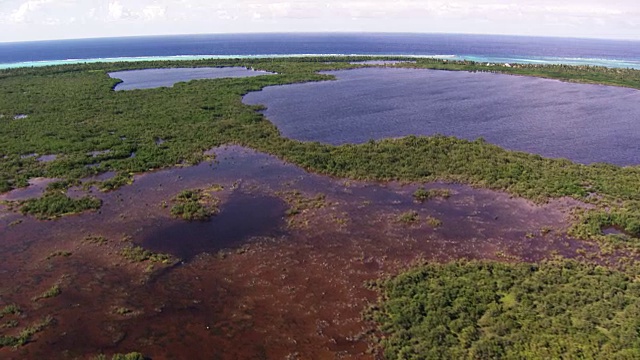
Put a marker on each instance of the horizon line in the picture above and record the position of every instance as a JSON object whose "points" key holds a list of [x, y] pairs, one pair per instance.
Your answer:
{"points": [[321, 33]]}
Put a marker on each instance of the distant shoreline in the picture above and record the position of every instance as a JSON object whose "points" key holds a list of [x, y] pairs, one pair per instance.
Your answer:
{"points": [[41, 63], [477, 48], [573, 61]]}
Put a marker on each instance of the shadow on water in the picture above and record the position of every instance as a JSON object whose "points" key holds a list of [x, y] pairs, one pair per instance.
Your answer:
{"points": [[242, 217]]}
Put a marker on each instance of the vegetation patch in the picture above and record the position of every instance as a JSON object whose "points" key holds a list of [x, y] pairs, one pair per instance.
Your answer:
{"points": [[121, 179], [433, 222], [26, 334], [587, 74], [122, 311], [9, 324], [53, 205], [73, 112], [51, 292], [139, 254], [58, 253], [194, 205], [423, 194], [488, 310], [591, 224], [11, 309], [95, 240], [300, 205], [62, 185], [128, 356], [408, 217]]}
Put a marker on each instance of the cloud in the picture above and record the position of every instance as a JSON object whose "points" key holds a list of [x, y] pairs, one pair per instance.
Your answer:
{"points": [[116, 17], [20, 14], [153, 12], [115, 10]]}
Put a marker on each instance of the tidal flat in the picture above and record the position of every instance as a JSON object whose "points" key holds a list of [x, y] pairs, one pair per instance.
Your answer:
{"points": [[264, 282]]}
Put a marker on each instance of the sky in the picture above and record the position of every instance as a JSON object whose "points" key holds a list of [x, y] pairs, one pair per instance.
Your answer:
{"points": [[26, 20]]}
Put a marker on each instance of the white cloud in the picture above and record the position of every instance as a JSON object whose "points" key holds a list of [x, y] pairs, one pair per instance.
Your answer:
{"points": [[152, 12], [134, 17], [115, 10], [20, 14]]}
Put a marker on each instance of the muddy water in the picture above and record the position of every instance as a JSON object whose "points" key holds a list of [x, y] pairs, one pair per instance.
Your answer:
{"points": [[243, 217], [253, 282], [37, 187]]}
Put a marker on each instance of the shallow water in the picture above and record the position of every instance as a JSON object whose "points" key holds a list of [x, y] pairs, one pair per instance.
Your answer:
{"points": [[254, 282], [382, 62], [584, 123], [235, 222], [154, 78], [47, 158]]}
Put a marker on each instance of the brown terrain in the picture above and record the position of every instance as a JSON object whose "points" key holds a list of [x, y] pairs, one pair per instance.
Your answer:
{"points": [[257, 281]]}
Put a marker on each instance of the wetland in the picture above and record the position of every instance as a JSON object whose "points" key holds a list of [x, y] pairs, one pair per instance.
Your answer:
{"points": [[225, 235]]}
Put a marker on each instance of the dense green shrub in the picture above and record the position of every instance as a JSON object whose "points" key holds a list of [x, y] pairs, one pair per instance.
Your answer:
{"points": [[53, 205], [486, 310], [194, 205]]}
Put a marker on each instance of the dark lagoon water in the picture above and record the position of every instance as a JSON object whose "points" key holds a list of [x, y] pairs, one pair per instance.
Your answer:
{"points": [[584, 123], [154, 78], [492, 48]]}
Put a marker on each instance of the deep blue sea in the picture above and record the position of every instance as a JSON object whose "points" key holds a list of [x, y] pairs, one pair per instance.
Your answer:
{"points": [[511, 49]]}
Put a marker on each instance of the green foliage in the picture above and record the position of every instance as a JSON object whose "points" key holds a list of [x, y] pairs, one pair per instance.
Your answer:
{"points": [[74, 112], [625, 219], [191, 210], [62, 185], [95, 239], [58, 253], [139, 254], [488, 310], [408, 217], [582, 74], [51, 292], [9, 324], [129, 356], [117, 181], [122, 311], [11, 309], [194, 205], [433, 222], [52, 205], [299, 203], [423, 195], [26, 334]]}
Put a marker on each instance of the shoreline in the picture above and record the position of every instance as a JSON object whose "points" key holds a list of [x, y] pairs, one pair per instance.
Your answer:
{"points": [[608, 63]]}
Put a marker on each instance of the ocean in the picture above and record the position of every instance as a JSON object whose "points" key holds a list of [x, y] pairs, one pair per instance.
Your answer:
{"points": [[485, 48]]}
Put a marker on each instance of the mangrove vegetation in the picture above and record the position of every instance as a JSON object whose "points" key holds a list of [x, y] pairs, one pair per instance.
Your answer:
{"points": [[559, 309], [464, 310], [74, 113]]}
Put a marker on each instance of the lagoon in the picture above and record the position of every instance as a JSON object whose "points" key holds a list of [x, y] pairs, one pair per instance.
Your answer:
{"points": [[155, 78], [582, 122]]}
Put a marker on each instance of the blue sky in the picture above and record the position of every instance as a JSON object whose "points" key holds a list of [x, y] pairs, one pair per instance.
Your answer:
{"points": [[22, 20]]}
